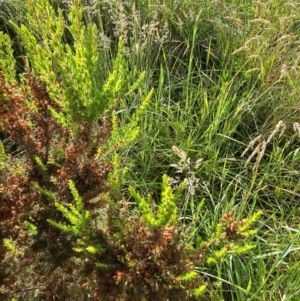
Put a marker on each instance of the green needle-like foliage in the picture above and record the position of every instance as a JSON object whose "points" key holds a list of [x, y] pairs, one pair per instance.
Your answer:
{"points": [[7, 60], [77, 216], [73, 71], [2, 155], [167, 211]]}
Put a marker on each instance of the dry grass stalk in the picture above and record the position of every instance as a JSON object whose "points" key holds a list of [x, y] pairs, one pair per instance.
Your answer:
{"points": [[236, 21], [243, 48], [262, 21], [262, 143]]}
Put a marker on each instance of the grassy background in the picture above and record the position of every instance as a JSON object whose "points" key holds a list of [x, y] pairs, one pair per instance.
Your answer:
{"points": [[226, 76]]}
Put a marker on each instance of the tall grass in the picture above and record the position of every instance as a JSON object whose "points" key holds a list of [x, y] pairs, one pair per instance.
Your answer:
{"points": [[225, 73], [226, 79]]}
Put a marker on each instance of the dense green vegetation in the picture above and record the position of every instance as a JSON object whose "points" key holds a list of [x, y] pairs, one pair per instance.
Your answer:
{"points": [[149, 150]]}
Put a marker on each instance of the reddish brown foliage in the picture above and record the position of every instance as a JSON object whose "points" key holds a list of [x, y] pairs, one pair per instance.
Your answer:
{"points": [[25, 118]]}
